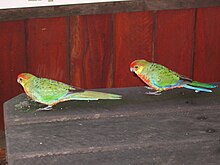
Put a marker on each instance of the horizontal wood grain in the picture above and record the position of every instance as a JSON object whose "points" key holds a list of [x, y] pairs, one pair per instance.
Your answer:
{"points": [[177, 126], [103, 8]]}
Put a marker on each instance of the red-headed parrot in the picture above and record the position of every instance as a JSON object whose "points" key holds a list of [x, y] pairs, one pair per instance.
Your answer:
{"points": [[160, 78], [51, 92]]}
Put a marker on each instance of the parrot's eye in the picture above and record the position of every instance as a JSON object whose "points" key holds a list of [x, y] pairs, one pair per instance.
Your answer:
{"points": [[136, 67], [19, 80]]}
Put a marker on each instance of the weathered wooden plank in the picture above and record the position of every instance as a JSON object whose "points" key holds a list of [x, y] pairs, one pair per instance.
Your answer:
{"points": [[103, 8], [13, 61], [47, 48], [133, 40], [175, 124], [184, 153], [133, 105], [91, 51], [206, 62], [78, 136], [174, 40]]}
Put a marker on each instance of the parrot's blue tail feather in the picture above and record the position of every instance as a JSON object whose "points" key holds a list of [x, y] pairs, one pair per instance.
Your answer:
{"points": [[196, 88]]}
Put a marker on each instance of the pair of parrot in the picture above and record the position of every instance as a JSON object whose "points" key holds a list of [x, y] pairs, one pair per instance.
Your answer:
{"points": [[156, 76]]}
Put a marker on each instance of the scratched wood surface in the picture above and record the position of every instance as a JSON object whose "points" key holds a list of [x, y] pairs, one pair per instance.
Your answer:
{"points": [[177, 127]]}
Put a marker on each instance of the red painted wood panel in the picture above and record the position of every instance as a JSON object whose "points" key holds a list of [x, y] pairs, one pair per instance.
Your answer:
{"points": [[175, 39], [207, 51], [96, 51], [133, 40], [12, 55], [47, 48], [91, 52]]}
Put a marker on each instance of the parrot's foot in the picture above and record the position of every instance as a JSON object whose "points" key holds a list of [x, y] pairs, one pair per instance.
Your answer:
{"points": [[148, 87], [48, 108], [197, 91], [153, 93]]}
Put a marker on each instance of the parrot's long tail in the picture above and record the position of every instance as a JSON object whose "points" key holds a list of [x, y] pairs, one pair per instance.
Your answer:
{"points": [[203, 85], [198, 86], [92, 95]]}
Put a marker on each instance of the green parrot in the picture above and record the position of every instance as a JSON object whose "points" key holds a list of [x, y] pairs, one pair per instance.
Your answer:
{"points": [[51, 92], [160, 78]]}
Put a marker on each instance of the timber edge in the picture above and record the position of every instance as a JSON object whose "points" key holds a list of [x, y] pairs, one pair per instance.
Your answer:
{"points": [[102, 8]]}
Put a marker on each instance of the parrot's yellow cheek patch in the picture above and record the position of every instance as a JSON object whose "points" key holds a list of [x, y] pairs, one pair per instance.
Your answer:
{"points": [[139, 70]]}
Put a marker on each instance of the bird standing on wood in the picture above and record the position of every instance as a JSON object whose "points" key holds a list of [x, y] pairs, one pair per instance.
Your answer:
{"points": [[160, 78], [51, 92]]}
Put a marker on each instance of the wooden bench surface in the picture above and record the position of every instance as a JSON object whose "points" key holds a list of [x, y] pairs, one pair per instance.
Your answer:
{"points": [[177, 127]]}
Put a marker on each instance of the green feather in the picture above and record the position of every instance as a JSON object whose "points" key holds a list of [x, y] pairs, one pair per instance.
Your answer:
{"points": [[161, 78], [51, 92], [204, 85], [92, 95], [47, 91], [160, 75]]}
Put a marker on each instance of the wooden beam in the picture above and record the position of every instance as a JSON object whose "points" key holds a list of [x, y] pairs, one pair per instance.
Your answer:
{"points": [[102, 8], [177, 126]]}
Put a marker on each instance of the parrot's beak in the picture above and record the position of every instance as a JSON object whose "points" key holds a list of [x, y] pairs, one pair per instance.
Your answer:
{"points": [[131, 69], [18, 80]]}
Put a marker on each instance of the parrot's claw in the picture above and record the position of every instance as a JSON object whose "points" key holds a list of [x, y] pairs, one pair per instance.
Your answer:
{"points": [[48, 108], [197, 91], [147, 87], [153, 93]]}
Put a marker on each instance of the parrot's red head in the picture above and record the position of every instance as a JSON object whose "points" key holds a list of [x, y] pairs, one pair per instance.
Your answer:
{"points": [[24, 77], [138, 65]]}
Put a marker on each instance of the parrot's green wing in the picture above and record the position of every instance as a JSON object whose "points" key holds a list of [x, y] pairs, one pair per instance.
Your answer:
{"points": [[49, 91], [162, 77]]}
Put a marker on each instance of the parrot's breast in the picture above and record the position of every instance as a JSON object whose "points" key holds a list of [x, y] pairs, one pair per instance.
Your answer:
{"points": [[148, 81]]}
